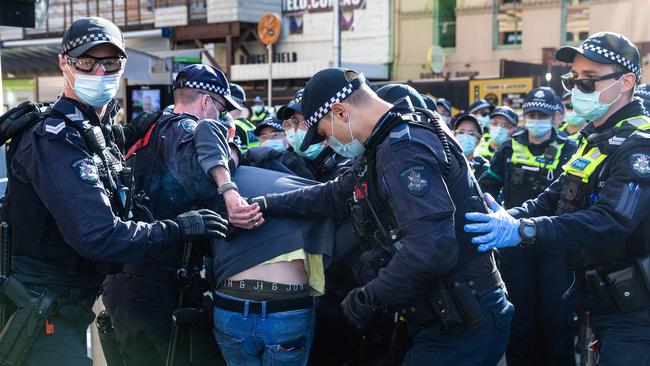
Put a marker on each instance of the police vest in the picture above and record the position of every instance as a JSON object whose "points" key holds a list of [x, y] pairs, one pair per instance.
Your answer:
{"points": [[530, 174], [34, 232], [257, 118], [579, 192], [484, 150], [247, 133], [573, 137]]}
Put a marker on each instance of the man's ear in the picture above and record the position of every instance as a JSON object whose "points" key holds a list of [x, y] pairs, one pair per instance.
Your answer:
{"points": [[629, 83], [62, 62], [339, 112]]}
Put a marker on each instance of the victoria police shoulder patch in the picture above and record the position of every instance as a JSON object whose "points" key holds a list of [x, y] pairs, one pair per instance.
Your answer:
{"points": [[640, 165], [87, 170], [188, 125], [415, 180]]}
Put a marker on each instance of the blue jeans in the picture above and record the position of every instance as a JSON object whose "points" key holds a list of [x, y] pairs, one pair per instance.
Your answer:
{"points": [[282, 338], [483, 345], [624, 338]]}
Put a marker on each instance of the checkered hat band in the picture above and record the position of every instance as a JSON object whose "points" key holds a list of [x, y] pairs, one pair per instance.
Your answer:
{"points": [[85, 39], [552, 107], [642, 93], [509, 117], [240, 101], [614, 57], [205, 86], [479, 107], [297, 100], [337, 98]]}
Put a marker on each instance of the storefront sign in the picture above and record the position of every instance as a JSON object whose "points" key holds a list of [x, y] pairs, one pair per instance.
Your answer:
{"points": [[278, 57], [496, 90]]}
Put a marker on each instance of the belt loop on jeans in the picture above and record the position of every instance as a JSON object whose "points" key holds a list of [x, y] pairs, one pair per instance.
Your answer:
{"points": [[264, 310], [247, 304]]}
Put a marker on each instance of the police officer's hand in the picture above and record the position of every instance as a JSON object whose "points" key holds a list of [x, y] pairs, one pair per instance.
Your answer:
{"points": [[357, 307], [241, 214], [17, 118], [202, 224], [500, 229]]}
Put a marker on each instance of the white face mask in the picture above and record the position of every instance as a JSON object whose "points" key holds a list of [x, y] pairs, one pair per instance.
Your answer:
{"points": [[94, 90], [351, 150], [538, 127]]}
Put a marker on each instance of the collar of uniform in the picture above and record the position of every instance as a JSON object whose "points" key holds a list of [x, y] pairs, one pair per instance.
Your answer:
{"points": [[76, 111], [522, 138], [402, 106], [632, 109]]}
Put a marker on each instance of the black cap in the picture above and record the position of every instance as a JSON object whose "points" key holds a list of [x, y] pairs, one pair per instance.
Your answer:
{"points": [[444, 103], [394, 92], [325, 88], [559, 106], [506, 112], [605, 48], [429, 102], [480, 104], [287, 111], [237, 93], [258, 100], [86, 33], [208, 78], [465, 117], [541, 99], [272, 122], [642, 91]]}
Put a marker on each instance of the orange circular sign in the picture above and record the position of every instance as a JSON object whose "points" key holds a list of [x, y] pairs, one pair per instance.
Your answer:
{"points": [[268, 29]]}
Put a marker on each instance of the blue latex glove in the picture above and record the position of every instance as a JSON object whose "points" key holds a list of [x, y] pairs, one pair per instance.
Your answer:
{"points": [[500, 229]]}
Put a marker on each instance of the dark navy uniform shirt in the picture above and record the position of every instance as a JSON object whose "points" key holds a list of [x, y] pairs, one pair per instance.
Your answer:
{"points": [[408, 167], [52, 159]]}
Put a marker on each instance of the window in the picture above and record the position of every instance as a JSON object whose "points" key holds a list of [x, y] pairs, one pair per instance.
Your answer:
{"points": [[508, 21], [445, 30], [576, 20]]}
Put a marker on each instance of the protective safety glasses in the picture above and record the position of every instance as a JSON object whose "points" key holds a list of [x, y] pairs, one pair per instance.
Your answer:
{"points": [[89, 64], [587, 86]]}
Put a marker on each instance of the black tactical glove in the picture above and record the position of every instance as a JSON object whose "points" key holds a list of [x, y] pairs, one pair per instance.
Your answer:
{"points": [[357, 307], [138, 127], [201, 224], [18, 118]]}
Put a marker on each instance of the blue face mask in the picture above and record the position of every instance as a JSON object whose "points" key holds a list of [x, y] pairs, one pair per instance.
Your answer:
{"points": [[295, 139], [573, 119], [538, 127], [467, 142], [94, 90], [350, 150], [588, 106], [498, 134], [277, 144]]}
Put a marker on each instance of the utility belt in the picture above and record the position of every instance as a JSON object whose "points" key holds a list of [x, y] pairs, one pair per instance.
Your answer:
{"points": [[626, 288], [31, 308], [454, 300]]}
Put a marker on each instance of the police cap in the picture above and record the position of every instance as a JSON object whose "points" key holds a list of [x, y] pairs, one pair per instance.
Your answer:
{"points": [[86, 33], [605, 48], [237, 93], [542, 99], [272, 122], [394, 92], [506, 112], [429, 102], [325, 88], [445, 104], [208, 78], [287, 111], [480, 104]]}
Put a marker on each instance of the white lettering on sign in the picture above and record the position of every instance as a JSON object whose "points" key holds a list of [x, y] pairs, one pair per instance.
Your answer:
{"points": [[295, 6]]}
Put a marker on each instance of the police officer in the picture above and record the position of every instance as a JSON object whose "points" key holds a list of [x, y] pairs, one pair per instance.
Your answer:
{"points": [[503, 122], [597, 211], [410, 179], [481, 109], [68, 203], [394, 92], [259, 112], [467, 130], [244, 136], [429, 102], [444, 108], [572, 122], [179, 167], [523, 167]]}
